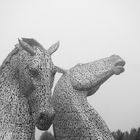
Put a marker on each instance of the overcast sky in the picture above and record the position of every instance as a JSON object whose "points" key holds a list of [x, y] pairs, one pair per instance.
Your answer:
{"points": [[87, 30]]}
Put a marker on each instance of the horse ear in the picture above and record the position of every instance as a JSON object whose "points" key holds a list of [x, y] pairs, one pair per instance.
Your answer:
{"points": [[53, 48], [26, 47], [32, 42], [59, 70]]}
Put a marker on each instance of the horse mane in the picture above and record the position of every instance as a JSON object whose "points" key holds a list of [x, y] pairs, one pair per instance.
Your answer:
{"points": [[8, 58]]}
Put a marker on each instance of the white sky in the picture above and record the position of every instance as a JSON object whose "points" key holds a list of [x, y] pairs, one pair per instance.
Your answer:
{"points": [[87, 30]]}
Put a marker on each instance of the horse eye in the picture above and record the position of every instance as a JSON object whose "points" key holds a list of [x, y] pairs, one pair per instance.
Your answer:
{"points": [[34, 72]]}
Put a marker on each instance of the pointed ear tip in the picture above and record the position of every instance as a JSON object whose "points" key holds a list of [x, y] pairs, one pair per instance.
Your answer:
{"points": [[25, 39], [58, 42], [60, 70], [19, 40]]}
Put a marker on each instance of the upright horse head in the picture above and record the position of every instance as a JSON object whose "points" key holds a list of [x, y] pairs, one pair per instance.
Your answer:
{"points": [[26, 79], [75, 118]]}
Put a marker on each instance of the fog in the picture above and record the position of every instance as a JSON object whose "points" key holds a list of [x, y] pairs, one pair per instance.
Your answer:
{"points": [[87, 30]]}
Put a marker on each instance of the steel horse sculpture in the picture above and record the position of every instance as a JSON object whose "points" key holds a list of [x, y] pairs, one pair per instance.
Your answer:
{"points": [[26, 79], [75, 118]]}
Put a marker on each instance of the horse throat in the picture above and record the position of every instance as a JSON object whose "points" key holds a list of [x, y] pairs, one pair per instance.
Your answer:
{"points": [[15, 117]]}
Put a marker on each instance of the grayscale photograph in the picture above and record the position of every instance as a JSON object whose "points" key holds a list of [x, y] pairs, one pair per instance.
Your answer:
{"points": [[69, 70]]}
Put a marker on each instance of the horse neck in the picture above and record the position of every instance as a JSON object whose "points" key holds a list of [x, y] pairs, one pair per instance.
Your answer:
{"points": [[15, 117], [68, 94]]}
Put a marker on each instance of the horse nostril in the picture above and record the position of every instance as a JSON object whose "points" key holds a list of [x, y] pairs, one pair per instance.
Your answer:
{"points": [[53, 116], [44, 121], [45, 116], [117, 60], [120, 63], [42, 116]]}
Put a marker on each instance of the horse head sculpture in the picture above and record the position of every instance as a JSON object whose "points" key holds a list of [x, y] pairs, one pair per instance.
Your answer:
{"points": [[90, 76], [26, 79], [75, 118]]}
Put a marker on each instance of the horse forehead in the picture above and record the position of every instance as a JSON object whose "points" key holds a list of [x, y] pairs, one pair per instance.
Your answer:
{"points": [[89, 67], [42, 61], [41, 55]]}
